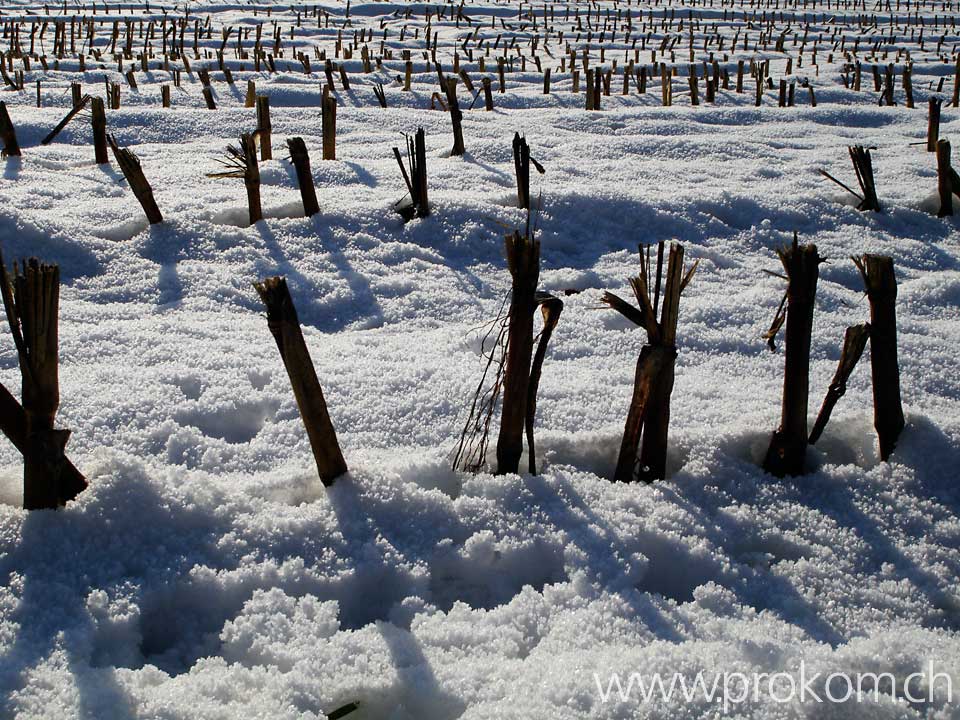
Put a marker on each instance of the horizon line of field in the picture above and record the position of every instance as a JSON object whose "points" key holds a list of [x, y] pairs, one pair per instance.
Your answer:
{"points": [[171, 49]]}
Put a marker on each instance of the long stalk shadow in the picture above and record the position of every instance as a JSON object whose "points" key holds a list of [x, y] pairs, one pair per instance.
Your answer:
{"points": [[162, 247], [597, 539], [933, 458], [11, 170], [53, 597], [420, 693]]}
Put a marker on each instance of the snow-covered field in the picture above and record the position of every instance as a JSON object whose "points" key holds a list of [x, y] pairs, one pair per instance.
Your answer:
{"points": [[206, 572]]}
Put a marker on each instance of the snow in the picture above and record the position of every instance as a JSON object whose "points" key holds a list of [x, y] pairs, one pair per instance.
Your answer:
{"points": [[206, 572]]}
